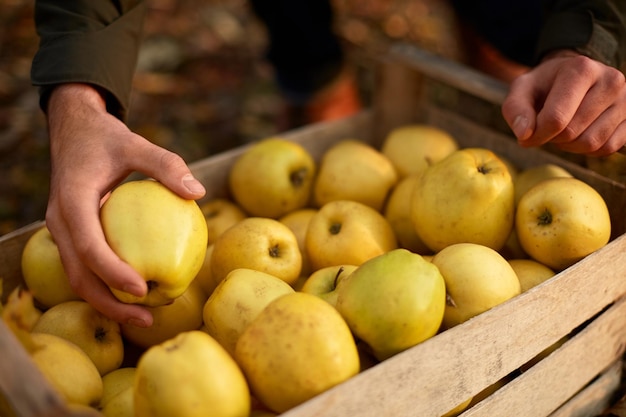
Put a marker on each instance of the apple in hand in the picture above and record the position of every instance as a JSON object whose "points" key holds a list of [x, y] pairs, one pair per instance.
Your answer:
{"points": [[393, 301], [561, 220], [236, 302], [189, 375], [297, 347], [43, 271], [353, 170], [258, 243], [477, 278], [272, 177], [466, 197], [97, 335], [412, 148], [347, 232], [324, 282], [161, 235]]}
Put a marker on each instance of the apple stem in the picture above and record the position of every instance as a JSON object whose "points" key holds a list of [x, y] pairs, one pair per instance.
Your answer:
{"points": [[545, 218], [450, 301]]}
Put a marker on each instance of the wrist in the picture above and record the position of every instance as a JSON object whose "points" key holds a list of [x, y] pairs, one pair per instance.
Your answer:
{"points": [[74, 96]]}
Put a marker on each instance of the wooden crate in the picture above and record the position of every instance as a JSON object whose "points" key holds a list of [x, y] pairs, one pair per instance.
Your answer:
{"points": [[581, 378]]}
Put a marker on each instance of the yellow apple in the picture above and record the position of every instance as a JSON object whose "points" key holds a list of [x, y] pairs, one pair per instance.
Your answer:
{"points": [[354, 170], [612, 166], [116, 382], [237, 300], [465, 197], [67, 368], [43, 271], [296, 348], [347, 232], [258, 243], [161, 235], [272, 177], [204, 277], [412, 148], [187, 376], [298, 221], [477, 278], [97, 335], [220, 214], [323, 282], [512, 249], [122, 405], [530, 272], [393, 301], [183, 314], [398, 212], [561, 220], [530, 177]]}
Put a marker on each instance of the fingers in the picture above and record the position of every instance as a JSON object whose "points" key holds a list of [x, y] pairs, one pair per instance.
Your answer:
{"points": [[518, 108]]}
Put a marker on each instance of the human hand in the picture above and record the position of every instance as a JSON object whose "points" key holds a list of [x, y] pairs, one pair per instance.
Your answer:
{"points": [[91, 152], [576, 103]]}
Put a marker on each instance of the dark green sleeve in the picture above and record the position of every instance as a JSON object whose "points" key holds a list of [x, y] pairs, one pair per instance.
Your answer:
{"points": [[88, 41], [596, 28]]}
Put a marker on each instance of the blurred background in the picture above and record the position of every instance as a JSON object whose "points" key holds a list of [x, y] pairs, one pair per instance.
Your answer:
{"points": [[202, 83]]}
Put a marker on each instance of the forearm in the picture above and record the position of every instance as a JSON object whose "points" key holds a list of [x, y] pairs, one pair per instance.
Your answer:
{"points": [[83, 41]]}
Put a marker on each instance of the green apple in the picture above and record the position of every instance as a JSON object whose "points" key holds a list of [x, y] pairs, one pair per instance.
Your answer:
{"points": [[272, 177], [296, 348], [183, 314], [190, 375], [412, 148], [347, 232], [466, 197], [561, 220], [353, 170], [477, 278], [258, 243], [97, 335], [43, 271], [67, 368], [393, 301], [236, 302], [159, 234], [323, 282]]}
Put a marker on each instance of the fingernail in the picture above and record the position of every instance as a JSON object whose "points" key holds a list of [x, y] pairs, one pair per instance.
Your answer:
{"points": [[192, 184], [137, 322], [520, 126]]}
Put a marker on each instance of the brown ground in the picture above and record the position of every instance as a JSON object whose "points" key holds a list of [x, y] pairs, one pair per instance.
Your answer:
{"points": [[202, 84]]}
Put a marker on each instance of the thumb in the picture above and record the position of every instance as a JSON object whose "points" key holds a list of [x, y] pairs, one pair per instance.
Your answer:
{"points": [[519, 112]]}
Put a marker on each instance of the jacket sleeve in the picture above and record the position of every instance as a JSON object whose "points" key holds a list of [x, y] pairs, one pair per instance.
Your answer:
{"points": [[87, 41], [596, 28]]}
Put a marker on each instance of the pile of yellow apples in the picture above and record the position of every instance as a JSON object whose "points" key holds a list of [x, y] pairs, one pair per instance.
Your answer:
{"points": [[308, 273]]}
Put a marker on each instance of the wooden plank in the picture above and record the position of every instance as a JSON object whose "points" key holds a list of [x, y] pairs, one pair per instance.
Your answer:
{"points": [[431, 378], [553, 381], [597, 397]]}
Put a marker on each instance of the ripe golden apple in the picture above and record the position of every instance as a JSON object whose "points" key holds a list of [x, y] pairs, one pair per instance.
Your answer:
{"points": [[236, 302], [272, 177], [204, 277], [398, 212], [220, 214], [187, 376], [393, 301], [183, 314], [67, 368], [354, 170], [465, 197], [115, 382], [122, 405], [258, 243], [43, 271], [324, 282], [530, 272], [477, 278], [529, 177], [561, 220], [97, 335], [412, 148], [296, 348], [158, 233], [347, 232], [298, 221]]}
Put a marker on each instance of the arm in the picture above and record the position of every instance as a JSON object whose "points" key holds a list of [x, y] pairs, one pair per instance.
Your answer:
{"points": [[92, 150], [575, 97]]}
